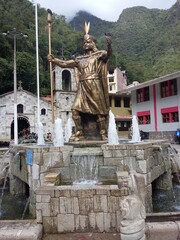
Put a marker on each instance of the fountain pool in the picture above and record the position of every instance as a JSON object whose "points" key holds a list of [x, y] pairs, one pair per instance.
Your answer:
{"points": [[13, 207], [167, 201]]}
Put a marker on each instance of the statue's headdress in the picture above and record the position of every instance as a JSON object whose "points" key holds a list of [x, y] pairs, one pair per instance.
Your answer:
{"points": [[86, 32]]}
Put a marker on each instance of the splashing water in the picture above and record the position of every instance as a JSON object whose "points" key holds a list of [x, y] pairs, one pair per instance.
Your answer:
{"points": [[86, 169], [113, 138], [68, 129], [58, 133], [40, 134], [135, 131]]}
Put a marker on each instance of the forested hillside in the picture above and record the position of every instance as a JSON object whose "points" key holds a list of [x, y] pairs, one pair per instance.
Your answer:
{"points": [[149, 41], [145, 42], [20, 14]]}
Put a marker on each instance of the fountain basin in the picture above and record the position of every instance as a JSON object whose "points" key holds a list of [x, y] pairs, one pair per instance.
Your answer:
{"points": [[148, 158]]}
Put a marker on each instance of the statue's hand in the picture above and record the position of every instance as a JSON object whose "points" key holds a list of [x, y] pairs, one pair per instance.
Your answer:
{"points": [[108, 38], [50, 58]]}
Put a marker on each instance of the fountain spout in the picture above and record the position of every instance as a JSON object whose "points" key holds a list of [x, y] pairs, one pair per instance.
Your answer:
{"points": [[40, 134], [58, 133], [68, 129], [113, 138], [135, 131]]}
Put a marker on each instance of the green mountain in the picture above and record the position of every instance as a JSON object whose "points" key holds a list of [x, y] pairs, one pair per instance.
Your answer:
{"points": [[146, 42], [149, 40], [98, 26]]}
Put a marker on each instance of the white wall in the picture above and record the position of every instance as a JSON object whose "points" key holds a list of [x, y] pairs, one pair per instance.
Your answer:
{"points": [[29, 102], [161, 103]]}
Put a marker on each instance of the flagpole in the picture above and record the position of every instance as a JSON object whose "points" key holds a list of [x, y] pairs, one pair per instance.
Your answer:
{"points": [[49, 20], [37, 64]]}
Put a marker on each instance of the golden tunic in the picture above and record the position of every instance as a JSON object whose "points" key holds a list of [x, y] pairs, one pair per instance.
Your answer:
{"points": [[91, 76]]}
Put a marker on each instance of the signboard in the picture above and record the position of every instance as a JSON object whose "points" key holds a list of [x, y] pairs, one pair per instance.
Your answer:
{"points": [[29, 156]]}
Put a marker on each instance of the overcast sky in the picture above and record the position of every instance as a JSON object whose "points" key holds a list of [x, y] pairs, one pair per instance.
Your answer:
{"points": [[105, 9]]}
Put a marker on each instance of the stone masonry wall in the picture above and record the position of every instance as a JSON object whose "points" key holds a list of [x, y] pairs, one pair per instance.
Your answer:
{"points": [[79, 209], [149, 158]]}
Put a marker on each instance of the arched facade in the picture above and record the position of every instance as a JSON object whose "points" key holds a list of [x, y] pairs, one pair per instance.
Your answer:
{"points": [[66, 80], [23, 127], [27, 114], [64, 91]]}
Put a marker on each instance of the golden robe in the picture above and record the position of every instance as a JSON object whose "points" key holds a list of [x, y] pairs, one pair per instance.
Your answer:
{"points": [[91, 76]]}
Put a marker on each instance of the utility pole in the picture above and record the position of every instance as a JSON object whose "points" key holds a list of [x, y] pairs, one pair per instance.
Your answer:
{"points": [[15, 35]]}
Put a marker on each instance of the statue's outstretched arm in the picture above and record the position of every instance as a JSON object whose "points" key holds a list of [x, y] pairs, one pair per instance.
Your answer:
{"points": [[62, 63]]}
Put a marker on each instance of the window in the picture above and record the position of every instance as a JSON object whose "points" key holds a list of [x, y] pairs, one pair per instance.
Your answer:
{"points": [[117, 102], [143, 94], [123, 125], [170, 115], [66, 80], [165, 117], [144, 117], [174, 117], [19, 108], [168, 88], [126, 102], [43, 111], [111, 79]]}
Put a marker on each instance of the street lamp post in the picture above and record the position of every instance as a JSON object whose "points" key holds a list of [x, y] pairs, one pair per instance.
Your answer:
{"points": [[15, 35]]}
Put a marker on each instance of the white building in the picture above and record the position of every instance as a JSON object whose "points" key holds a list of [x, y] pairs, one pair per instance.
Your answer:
{"points": [[26, 112], [117, 80], [156, 103], [64, 89]]}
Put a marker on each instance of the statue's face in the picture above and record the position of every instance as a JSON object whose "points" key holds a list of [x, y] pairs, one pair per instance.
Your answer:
{"points": [[88, 45]]}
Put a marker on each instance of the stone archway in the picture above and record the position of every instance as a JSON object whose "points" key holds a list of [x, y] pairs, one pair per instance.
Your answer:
{"points": [[23, 126]]}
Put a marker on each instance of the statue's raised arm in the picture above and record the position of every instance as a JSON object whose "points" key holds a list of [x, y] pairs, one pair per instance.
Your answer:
{"points": [[109, 44]]}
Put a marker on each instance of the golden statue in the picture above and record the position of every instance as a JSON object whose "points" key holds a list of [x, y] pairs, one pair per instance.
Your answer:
{"points": [[92, 97]]}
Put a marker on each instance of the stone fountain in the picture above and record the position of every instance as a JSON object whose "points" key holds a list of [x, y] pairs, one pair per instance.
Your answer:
{"points": [[124, 175]]}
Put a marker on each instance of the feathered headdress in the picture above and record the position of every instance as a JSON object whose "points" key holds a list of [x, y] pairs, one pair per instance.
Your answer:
{"points": [[86, 32]]}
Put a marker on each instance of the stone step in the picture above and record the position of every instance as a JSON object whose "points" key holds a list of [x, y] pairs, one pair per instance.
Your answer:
{"points": [[82, 236], [53, 177], [20, 230]]}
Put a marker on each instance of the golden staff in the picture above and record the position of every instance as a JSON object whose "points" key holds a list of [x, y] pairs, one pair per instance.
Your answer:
{"points": [[49, 20]]}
